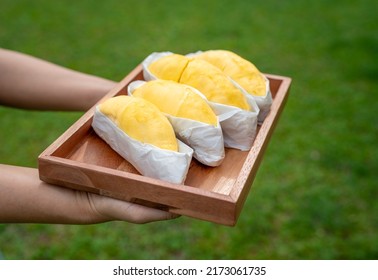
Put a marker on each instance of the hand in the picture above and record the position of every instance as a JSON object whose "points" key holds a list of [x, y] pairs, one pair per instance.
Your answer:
{"points": [[106, 208]]}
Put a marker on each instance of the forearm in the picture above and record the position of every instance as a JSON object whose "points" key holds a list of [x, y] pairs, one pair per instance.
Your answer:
{"points": [[30, 83], [24, 198]]}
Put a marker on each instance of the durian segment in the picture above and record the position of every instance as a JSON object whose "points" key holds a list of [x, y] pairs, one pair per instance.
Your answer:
{"points": [[141, 120], [177, 100], [169, 67], [204, 76], [215, 85], [239, 69]]}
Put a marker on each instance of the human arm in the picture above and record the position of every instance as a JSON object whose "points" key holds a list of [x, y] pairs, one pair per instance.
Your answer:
{"points": [[26, 199], [31, 83]]}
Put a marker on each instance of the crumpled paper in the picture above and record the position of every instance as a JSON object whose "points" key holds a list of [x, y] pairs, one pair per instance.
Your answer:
{"points": [[149, 160], [239, 126], [205, 140], [263, 102]]}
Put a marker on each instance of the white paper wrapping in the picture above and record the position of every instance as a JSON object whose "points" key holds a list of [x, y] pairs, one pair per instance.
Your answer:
{"points": [[263, 102], [149, 160], [205, 140], [239, 126]]}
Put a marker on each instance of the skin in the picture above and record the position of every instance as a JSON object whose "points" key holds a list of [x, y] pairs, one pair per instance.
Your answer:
{"points": [[30, 83]]}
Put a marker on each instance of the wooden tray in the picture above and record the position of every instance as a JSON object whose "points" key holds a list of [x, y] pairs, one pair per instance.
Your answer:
{"points": [[79, 159]]}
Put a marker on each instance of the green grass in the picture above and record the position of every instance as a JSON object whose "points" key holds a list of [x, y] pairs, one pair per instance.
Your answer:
{"points": [[315, 193]]}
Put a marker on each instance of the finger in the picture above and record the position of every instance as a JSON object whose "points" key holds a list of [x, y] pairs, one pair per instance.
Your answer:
{"points": [[120, 210], [141, 214]]}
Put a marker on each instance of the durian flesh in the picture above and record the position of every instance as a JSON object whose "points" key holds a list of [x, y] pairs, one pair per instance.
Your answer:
{"points": [[204, 76], [177, 100], [140, 120], [239, 69]]}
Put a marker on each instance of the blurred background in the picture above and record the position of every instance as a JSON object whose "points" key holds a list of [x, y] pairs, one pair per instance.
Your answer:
{"points": [[315, 194]]}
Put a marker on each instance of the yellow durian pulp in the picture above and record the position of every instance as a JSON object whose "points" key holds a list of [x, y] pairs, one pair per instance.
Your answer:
{"points": [[239, 69], [178, 100], [213, 84], [204, 76], [141, 120], [169, 67]]}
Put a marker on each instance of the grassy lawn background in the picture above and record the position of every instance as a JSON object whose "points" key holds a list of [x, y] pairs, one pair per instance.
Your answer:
{"points": [[315, 195]]}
